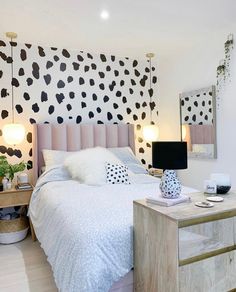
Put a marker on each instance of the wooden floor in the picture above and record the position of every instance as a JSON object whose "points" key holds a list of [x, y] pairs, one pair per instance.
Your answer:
{"points": [[24, 268]]}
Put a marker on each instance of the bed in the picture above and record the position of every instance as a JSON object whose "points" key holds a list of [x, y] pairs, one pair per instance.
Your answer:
{"points": [[86, 231]]}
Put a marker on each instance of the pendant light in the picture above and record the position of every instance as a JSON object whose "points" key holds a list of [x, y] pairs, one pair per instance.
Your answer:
{"points": [[13, 133], [150, 132]]}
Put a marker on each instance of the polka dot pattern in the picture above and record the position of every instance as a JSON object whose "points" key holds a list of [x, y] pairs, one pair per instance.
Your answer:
{"points": [[117, 174]]}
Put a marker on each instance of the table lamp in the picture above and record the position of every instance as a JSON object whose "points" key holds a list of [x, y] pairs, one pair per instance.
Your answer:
{"points": [[170, 156]]}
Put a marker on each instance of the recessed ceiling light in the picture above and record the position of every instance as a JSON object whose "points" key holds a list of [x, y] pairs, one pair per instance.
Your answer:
{"points": [[104, 14]]}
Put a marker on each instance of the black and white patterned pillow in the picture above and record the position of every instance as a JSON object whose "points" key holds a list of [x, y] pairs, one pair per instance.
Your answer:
{"points": [[117, 174]]}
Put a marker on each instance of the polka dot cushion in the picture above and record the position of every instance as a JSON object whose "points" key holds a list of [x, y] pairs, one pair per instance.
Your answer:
{"points": [[117, 174]]}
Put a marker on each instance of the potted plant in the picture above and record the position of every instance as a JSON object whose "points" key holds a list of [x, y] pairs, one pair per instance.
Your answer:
{"points": [[14, 168], [4, 167]]}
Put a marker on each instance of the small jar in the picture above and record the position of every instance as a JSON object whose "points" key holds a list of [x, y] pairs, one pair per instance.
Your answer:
{"points": [[9, 185], [4, 183]]}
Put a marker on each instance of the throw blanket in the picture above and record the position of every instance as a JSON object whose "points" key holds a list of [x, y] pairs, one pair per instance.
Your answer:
{"points": [[87, 231]]}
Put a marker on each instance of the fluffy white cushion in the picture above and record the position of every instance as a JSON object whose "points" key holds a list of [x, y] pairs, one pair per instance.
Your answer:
{"points": [[89, 165]]}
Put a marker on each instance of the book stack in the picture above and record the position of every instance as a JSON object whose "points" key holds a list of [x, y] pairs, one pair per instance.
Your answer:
{"points": [[24, 186], [167, 202]]}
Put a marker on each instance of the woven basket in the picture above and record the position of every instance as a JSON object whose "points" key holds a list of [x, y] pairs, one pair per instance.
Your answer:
{"points": [[13, 230]]}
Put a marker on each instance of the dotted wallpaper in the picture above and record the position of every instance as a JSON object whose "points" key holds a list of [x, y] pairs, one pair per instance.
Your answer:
{"points": [[53, 85]]}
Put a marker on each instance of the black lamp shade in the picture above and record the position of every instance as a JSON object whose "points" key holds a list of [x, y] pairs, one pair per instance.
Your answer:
{"points": [[169, 155]]}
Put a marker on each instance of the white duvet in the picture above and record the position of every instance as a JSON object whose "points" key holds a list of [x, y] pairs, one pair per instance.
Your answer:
{"points": [[87, 231]]}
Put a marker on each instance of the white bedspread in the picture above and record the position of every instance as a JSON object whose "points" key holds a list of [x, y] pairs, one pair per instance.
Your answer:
{"points": [[87, 231]]}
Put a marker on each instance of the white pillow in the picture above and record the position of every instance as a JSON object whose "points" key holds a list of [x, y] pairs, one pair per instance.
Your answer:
{"points": [[126, 155], [89, 165], [55, 157]]}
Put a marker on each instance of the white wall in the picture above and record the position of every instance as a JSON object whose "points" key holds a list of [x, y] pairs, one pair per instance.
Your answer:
{"points": [[189, 70]]}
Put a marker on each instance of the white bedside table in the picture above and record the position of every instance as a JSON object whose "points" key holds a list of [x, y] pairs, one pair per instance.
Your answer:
{"points": [[185, 248]]}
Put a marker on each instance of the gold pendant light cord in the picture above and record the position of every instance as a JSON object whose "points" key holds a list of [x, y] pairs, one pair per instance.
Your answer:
{"points": [[150, 69], [12, 89]]}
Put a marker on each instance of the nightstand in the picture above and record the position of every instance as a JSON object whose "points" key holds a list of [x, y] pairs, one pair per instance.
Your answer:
{"points": [[185, 248], [13, 197]]}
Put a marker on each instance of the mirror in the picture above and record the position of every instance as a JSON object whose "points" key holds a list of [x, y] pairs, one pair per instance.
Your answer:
{"points": [[198, 122]]}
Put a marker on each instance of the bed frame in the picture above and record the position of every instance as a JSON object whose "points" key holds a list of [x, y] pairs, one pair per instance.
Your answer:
{"points": [[70, 137]]}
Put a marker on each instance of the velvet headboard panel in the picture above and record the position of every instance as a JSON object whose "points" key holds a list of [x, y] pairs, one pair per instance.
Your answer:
{"points": [[74, 137]]}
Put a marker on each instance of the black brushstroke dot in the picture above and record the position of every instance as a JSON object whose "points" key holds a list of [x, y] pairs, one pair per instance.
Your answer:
{"points": [[63, 67], [113, 58], [32, 121], [21, 72], [2, 43], [60, 97], [59, 120], [4, 114], [122, 83], [69, 79], [41, 51], [75, 66], [94, 96], [35, 71], [109, 116], [116, 72], [65, 53], [29, 164], [135, 117], [136, 72], [131, 91], [30, 152], [91, 82], [118, 93], [108, 68], [72, 95], [91, 115], [105, 98], [15, 82], [120, 117], [80, 58], [103, 58], [121, 63], [128, 110], [124, 99], [89, 56], [78, 119], [44, 96], [98, 110], [195, 103], [26, 96], [81, 81], [137, 105], [194, 118], [135, 63], [101, 86], [69, 107], [49, 64], [86, 68], [115, 105], [4, 92], [141, 150], [56, 58], [101, 74], [84, 94], [23, 55], [47, 78], [29, 137], [93, 66], [51, 109], [143, 116], [19, 108], [35, 107], [29, 81], [83, 104], [154, 79], [60, 84]]}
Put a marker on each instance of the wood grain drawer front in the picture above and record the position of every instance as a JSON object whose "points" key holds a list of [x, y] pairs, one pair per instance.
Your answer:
{"points": [[215, 274], [15, 199], [206, 238]]}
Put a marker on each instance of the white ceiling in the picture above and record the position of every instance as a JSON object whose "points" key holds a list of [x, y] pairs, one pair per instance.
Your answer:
{"points": [[134, 27]]}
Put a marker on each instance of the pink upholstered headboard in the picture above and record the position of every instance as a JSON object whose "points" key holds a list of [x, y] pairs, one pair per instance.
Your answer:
{"points": [[70, 137]]}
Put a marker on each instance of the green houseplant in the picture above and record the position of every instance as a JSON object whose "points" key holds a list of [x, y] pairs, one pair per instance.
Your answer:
{"points": [[14, 168], [9, 170]]}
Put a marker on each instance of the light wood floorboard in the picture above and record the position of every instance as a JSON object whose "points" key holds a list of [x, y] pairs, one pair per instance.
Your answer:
{"points": [[24, 268]]}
